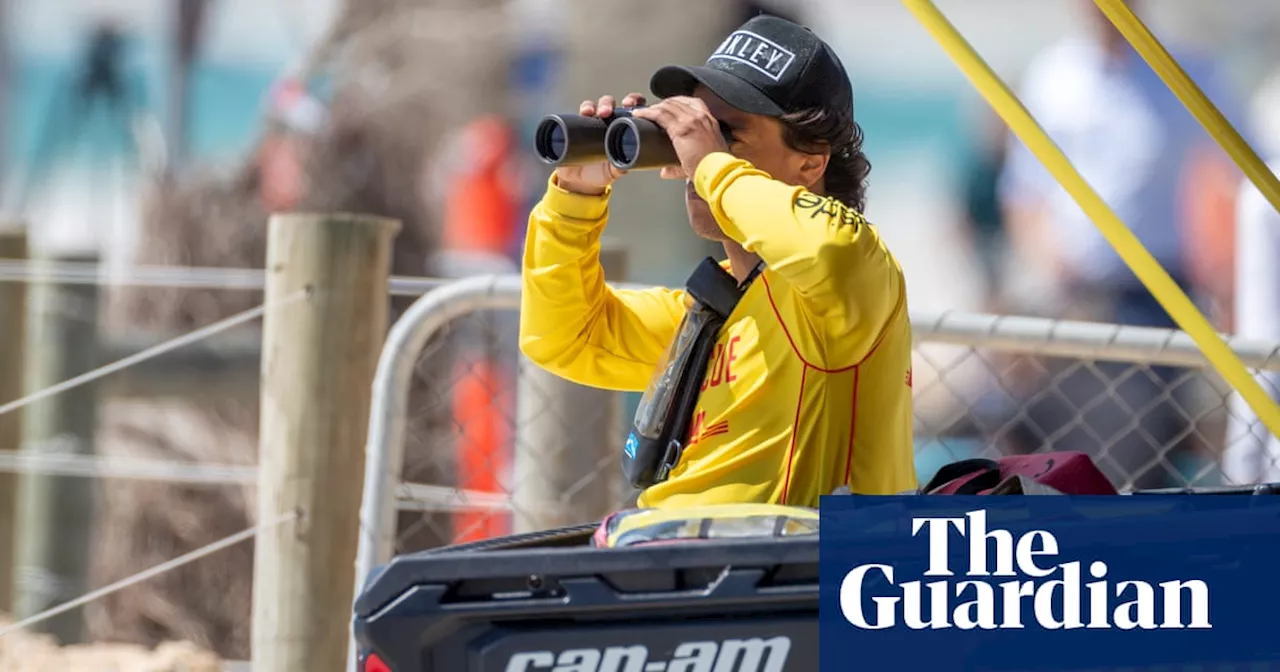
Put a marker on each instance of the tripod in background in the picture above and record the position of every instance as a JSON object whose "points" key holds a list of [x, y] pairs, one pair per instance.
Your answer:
{"points": [[100, 81], [54, 531]]}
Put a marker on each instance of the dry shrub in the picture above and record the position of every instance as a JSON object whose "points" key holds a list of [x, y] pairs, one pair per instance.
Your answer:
{"points": [[23, 652], [405, 76], [146, 523]]}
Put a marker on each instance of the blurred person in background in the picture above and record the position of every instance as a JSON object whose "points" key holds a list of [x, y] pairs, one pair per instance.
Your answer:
{"points": [[983, 227], [479, 176], [1252, 454], [982, 219], [1143, 152], [294, 116], [817, 351]]}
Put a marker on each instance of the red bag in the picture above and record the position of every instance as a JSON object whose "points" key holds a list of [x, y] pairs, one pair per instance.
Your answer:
{"points": [[1067, 473]]}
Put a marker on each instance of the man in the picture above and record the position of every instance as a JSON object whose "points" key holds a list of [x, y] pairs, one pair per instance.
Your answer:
{"points": [[1135, 143], [1161, 173], [810, 386]]}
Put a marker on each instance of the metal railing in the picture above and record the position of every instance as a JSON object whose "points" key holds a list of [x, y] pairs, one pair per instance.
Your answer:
{"points": [[983, 383]]}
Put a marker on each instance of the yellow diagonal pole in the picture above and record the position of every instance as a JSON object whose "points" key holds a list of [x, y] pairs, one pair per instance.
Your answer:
{"points": [[1130, 249], [1174, 77]]}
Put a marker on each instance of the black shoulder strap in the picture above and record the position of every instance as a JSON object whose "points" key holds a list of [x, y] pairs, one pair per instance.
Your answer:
{"points": [[751, 277], [649, 458], [715, 289]]}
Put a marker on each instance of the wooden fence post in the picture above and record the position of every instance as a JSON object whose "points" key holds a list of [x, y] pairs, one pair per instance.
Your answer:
{"points": [[327, 305], [568, 441], [55, 521], [13, 338]]}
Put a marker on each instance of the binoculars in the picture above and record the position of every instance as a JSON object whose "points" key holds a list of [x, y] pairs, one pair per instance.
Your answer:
{"points": [[625, 141]]}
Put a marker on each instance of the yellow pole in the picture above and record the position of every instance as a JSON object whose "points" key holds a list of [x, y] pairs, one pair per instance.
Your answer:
{"points": [[1192, 97], [1145, 266]]}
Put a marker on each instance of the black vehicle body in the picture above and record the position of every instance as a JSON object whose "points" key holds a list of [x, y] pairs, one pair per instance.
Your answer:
{"points": [[550, 602]]}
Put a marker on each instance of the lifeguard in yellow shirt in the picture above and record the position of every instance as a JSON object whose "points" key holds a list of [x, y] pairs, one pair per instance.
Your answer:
{"points": [[809, 386]]}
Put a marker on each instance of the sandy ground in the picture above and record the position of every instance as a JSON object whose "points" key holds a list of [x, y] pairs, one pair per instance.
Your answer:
{"points": [[25, 652]]}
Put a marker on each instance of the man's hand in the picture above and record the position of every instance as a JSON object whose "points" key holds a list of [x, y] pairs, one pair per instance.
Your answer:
{"points": [[694, 132], [594, 178]]}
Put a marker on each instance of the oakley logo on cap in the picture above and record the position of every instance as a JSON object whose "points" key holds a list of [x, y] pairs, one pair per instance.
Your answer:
{"points": [[750, 49]]}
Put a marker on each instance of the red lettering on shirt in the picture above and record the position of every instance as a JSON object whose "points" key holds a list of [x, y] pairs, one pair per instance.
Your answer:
{"points": [[908, 377], [721, 369], [695, 428], [700, 431], [716, 429]]}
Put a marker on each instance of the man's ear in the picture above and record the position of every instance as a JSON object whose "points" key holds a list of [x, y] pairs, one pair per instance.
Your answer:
{"points": [[813, 167]]}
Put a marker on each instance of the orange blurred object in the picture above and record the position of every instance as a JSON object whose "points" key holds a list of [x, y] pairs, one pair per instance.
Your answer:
{"points": [[281, 182], [480, 209], [480, 217], [479, 399], [1210, 184]]}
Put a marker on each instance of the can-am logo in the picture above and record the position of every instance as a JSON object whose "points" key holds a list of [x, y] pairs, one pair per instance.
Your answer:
{"points": [[731, 655], [1053, 594]]}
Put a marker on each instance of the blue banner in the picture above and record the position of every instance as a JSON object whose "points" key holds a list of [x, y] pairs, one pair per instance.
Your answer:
{"points": [[1172, 582]]}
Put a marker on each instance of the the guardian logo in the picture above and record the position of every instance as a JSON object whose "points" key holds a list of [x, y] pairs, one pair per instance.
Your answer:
{"points": [[1051, 595]]}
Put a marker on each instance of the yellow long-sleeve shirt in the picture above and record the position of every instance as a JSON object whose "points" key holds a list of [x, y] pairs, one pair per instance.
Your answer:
{"points": [[810, 384]]}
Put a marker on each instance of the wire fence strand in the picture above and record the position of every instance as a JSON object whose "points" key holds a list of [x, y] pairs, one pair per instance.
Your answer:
{"points": [[50, 459], [149, 353], [172, 277], [169, 565]]}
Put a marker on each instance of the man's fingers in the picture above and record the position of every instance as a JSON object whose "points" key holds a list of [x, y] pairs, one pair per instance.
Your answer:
{"points": [[605, 107], [690, 110], [659, 114], [683, 102], [696, 104], [672, 173], [688, 105], [679, 108]]}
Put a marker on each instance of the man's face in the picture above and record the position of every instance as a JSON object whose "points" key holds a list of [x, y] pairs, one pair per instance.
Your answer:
{"points": [[755, 138]]}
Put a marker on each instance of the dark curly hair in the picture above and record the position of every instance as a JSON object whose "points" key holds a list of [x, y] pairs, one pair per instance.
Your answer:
{"points": [[819, 129]]}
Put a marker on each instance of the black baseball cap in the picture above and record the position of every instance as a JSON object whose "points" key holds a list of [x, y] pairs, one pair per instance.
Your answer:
{"points": [[767, 66]]}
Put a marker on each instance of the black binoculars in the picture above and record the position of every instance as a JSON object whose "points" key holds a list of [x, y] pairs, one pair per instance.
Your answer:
{"points": [[625, 141]]}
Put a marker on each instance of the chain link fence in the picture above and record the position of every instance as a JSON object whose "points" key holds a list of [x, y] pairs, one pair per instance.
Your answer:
{"points": [[1146, 426], [480, 413], [1142, 402]]}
